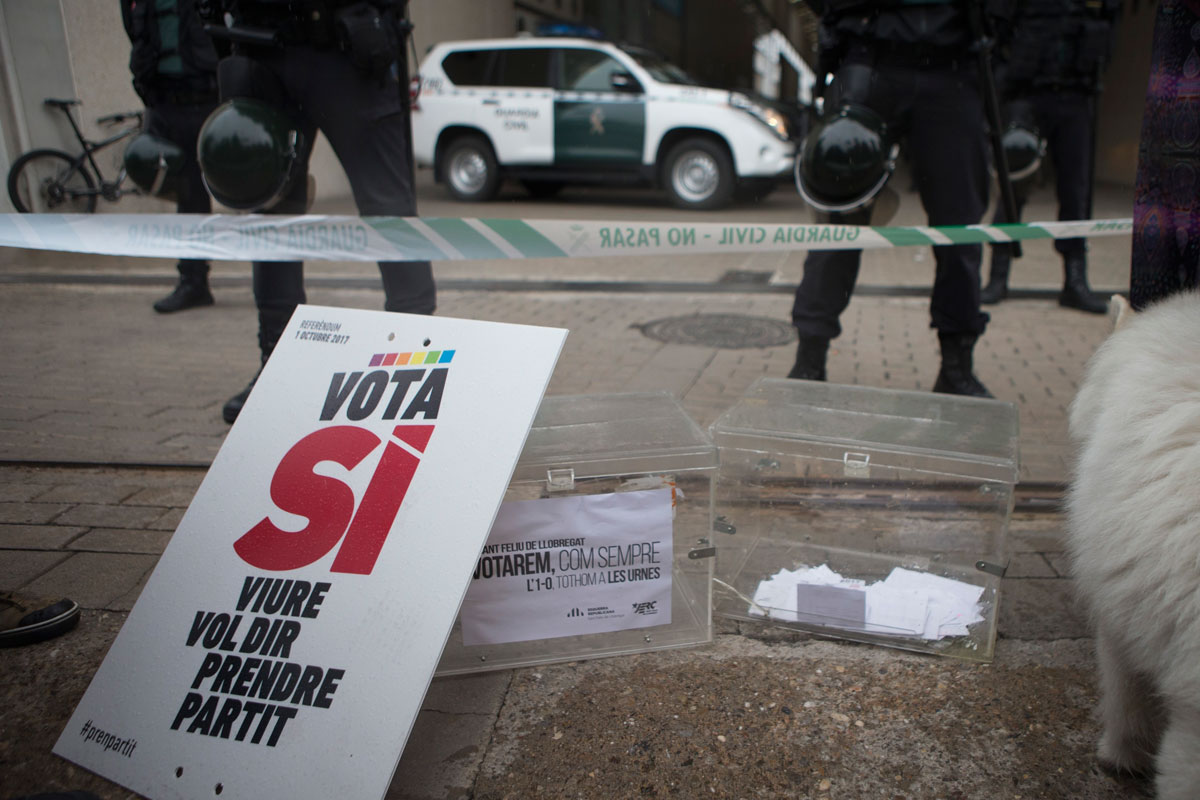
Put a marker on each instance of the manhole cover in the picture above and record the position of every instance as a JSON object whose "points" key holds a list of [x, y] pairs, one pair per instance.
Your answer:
{"points": [[720, 330]]}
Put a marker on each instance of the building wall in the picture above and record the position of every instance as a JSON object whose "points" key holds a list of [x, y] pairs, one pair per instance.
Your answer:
{"points": [[99, 52], [99, 49], [446, 20], [1120, 110], [720, 44], [65, 49], [35, 66]]}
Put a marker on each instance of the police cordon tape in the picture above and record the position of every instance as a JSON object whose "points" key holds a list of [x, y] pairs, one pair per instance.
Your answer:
{"points": [[226, 237]]}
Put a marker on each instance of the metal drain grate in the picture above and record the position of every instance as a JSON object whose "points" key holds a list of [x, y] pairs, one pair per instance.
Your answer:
{"points": [[732, 331]]}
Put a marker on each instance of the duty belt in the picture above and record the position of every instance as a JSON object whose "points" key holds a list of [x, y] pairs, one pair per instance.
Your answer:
{"points": [[270, 24], [910, 54]]}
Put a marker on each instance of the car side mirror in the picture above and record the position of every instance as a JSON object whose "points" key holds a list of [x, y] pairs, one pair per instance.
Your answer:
{"points": [[624, 82]]}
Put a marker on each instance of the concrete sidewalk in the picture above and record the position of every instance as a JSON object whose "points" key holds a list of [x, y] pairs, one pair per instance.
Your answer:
{"points": [[92, 375], [109, 416]]}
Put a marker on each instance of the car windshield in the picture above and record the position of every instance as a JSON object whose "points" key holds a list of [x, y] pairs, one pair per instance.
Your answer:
{"points": [[660, 69]]}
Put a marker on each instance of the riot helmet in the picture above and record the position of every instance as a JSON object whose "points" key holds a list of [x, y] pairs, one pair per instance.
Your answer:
{"points": [[248, 153], [1023, 144], [846, 160], [154, 164], [1023, 150]]}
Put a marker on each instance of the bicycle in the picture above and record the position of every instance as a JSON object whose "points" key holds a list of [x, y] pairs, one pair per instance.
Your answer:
{"points": [[49, 180]]}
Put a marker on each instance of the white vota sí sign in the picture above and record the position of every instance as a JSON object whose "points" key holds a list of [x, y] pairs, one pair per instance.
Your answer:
{"points": [[284, 643]]}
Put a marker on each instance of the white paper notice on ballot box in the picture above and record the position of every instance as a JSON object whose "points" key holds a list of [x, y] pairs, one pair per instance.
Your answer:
{"points": [[284, 643], [566, 566]]}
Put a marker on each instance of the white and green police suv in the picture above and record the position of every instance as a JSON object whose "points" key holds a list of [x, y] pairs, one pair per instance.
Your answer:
{"points": [[550, 112]]}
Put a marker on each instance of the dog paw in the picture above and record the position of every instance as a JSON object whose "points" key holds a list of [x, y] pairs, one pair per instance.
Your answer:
{"points": [[1125, 760], [1119, 311], [1118, 771]]}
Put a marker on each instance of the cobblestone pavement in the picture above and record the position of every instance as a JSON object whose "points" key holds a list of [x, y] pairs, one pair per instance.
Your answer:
{"points": [[109, 416]]}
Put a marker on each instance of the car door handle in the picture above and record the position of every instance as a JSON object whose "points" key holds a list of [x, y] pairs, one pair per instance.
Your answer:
{"points": [[491, 102]]}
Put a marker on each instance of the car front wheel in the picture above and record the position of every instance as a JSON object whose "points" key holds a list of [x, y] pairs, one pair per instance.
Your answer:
{"points": [[470, 170], [698, 174]]}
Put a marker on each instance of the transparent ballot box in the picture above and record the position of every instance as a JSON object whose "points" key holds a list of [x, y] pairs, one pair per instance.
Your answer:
{"points": [[866, 514], [603, 543]]}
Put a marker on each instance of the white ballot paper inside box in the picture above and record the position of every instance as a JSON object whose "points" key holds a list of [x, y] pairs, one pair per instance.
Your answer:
{"points": [[566, 566], [284, 643], [905, 603]]}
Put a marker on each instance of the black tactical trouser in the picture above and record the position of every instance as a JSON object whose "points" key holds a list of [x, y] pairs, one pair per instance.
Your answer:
{"points": [[180, 124], [939, 111], [367, 128], [1064, 119]]}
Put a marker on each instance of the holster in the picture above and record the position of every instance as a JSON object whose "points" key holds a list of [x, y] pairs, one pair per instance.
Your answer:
{"points": [[371, 36], [244, 76]]}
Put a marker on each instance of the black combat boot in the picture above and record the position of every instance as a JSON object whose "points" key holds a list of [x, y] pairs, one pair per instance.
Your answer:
{"points": [[233, 406], [1075, 292], [956, 375], [997, 285], [810, 359], [271, 323], [191, 291]]}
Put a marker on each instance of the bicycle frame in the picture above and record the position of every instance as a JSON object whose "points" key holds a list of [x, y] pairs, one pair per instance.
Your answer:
{"points": [[109, 190]]}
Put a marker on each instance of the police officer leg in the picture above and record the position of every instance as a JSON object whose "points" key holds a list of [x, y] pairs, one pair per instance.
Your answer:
{"points": [[830, 275], [823, 294], [180, 125], [192, 289], [1070, 145], [997, 285], [367, 129], [947, 145], [407, 286], [1001, 265], [821, 297], [958, 333], [278, 285], [1020, 113], [382, 185], [278, 289]]}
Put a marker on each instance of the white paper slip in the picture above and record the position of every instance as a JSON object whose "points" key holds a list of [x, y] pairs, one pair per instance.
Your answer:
{"points": [[905, 603], [899, 613]]}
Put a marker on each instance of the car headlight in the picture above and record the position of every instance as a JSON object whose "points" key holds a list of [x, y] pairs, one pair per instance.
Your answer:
{"points": [[764, 114]]}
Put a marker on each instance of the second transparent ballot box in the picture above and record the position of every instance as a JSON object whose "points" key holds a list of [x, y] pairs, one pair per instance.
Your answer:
{"points": [[867, 514]]}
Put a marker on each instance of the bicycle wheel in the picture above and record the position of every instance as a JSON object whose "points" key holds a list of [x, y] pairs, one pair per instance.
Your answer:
{"points": [[51, 181]]}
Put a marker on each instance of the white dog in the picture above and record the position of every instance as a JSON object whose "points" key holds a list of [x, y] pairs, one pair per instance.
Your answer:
{"points": [[1134, 526]]}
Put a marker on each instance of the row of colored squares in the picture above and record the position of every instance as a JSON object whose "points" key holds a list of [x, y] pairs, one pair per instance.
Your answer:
{"points": [[400, 359]]}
